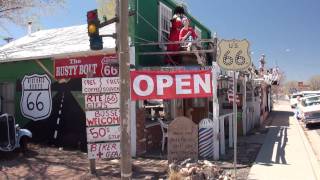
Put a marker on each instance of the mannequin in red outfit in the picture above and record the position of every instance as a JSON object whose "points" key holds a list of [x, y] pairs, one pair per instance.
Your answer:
{"points": [[176, 25], [188, 35]]}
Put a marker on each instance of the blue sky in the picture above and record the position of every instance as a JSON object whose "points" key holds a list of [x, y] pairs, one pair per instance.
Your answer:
{"points": [[287, 31]]}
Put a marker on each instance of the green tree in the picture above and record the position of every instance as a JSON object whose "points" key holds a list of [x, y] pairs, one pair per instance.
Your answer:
{"points": [[314, 82]]}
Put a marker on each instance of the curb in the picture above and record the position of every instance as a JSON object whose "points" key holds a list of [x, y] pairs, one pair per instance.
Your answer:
{"points": [[311, 154]]}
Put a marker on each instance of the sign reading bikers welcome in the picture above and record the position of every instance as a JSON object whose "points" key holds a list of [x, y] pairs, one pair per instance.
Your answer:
{"points": [[234, 55]]}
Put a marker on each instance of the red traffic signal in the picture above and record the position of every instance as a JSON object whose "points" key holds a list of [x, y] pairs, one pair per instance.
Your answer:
{"points": [[96, 42]]}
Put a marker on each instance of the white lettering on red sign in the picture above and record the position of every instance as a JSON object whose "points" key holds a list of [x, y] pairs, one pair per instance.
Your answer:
{"points": [[100, 85], [103, 133], [103, 117], [107, 150], [102, 101], [170, 85]]}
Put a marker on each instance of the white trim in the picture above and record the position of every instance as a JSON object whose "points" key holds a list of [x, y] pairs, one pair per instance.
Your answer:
{"points": [[62, 55], [163, 7]]}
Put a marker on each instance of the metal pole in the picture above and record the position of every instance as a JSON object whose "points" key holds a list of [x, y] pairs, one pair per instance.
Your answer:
{"points": [[124, 64], [235, 123]]}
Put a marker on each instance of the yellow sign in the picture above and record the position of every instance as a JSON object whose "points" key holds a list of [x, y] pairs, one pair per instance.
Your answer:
{"points": [[234, 55], [106, 9]]}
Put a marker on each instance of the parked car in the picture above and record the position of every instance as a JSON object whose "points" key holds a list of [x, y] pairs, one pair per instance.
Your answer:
{"points": [[11, 135], [294, 97], [309, 110]]}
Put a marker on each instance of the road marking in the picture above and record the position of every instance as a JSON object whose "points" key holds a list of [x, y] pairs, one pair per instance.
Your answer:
{"points": [[58, 120], [55, 134]]}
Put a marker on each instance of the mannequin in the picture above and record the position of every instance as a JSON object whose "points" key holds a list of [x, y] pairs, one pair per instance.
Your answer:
{"points": [[188, 34], [176, 25]]}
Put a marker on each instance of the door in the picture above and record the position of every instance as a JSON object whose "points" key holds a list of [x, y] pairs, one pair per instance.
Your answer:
{"points": [[7, 93]]}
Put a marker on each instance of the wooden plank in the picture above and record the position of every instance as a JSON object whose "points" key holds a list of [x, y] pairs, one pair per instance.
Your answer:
{"points": [[108, 150], [103, 133], [176, 52]]}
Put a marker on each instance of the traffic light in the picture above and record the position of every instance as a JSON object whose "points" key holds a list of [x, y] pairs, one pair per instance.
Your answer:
{"points": [[96, 42]]}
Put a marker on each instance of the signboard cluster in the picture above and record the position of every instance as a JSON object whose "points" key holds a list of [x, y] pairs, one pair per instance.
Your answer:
{"points": [[102, 104]]}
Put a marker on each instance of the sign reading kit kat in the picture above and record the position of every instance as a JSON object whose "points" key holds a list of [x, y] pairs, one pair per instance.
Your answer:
{"points": [[170, 84]]}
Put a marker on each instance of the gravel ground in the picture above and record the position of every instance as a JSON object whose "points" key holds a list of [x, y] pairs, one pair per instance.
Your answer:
{"points": [[43, 162]]}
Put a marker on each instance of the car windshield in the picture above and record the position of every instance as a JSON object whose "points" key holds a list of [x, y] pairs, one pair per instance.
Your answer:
{"points": [[311, 101]]}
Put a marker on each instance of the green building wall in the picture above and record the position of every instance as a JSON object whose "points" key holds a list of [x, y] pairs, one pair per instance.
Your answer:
{"points": [[143, 28], [13, 72]]}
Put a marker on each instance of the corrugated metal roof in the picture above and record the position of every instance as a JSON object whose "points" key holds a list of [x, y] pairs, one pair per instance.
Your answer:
{"points": [[54, 43]]}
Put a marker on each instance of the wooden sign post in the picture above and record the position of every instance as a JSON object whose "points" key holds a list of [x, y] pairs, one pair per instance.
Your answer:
{"points": [[234, 56], [102, 104]]}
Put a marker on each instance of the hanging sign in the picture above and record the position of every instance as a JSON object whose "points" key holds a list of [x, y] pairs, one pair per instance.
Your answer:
{"points": [[170, 84], [103, 117], [103, 133], [36, 101], [79, 67], [108, 150], [234, 55], [102, 101], [100, 85]]}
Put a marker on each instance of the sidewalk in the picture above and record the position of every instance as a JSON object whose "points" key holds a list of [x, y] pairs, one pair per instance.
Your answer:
{"points": [[286, 153]]}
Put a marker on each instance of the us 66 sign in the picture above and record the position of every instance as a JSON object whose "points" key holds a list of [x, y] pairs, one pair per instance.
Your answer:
{"points": [[234, 55], [36, 101]]}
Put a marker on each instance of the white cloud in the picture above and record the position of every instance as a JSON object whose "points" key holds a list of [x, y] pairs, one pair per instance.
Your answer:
{"points": [[288, 50]]}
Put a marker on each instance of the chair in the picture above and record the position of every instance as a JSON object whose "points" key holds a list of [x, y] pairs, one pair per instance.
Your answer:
{"points": [[164, 129]]}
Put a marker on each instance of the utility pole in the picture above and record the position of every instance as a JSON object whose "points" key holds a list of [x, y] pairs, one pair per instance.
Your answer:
{"points": [[124, 64]]}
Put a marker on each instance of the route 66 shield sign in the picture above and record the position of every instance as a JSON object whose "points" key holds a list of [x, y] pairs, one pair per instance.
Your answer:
{"points": [[234, 55], [36, 101]]}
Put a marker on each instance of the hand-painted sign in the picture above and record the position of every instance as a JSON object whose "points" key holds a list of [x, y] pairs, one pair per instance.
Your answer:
{"points": [[101, 85], [182, 139], [170, 84], [79, 67], [234, 55], [103, 133], [103, 117], [36, 101], [102, 101], [107, 150]]}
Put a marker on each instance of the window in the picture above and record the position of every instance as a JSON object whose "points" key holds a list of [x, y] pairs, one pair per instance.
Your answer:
{"points": [[198, 32], [165, 15]]}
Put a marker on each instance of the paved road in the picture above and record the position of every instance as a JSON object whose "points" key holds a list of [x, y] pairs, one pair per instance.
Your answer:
{"points": [[286, 153]]}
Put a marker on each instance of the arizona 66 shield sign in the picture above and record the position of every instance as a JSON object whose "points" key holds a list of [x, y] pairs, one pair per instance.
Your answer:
{"points": [[36, 101]]}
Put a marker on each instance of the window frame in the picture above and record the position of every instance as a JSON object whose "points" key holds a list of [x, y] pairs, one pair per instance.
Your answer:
{"points": [[162, 29], [198, 31]]}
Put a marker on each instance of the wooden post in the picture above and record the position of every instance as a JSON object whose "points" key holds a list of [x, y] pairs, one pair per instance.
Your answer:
{"points": [[215, 103], [124, 64], [235, 123], [244, 106]]}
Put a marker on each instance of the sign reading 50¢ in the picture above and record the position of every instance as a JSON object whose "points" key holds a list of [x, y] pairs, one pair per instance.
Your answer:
{"points": [[234, 55]]}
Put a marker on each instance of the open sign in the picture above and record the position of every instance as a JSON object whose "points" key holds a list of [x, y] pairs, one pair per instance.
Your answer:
{"points": [[170, 85]]}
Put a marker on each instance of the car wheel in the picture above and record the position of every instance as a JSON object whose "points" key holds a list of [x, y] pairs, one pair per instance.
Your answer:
{"points": [[307, 125], [24, 144]]}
